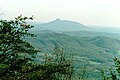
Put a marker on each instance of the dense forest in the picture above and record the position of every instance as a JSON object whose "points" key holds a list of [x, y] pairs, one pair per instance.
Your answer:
{"points": [[29, 54]]}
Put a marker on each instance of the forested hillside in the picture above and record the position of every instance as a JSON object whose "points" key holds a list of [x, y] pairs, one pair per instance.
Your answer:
{"points": [[96, 51], [54, 53]]}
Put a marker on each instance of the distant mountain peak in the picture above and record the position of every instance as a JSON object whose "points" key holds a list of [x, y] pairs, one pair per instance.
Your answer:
{"points": [[64, 22], [58, 19], [62, 25]]}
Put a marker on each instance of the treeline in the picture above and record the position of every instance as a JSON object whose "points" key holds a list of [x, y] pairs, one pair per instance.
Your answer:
{"points": [[17, 56]]}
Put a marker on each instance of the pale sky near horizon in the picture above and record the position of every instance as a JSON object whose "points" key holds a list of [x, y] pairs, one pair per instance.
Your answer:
{"points": [[88, 12]]}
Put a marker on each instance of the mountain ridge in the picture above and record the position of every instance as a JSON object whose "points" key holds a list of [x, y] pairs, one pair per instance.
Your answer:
{"points": [[60, 25]]}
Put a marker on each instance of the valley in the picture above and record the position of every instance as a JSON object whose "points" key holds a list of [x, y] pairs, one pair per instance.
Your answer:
{"points": [[92, 50]]}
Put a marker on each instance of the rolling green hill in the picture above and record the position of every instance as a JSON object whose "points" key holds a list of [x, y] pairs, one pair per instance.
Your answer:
{"points": [[106, 42], [93, 52], [92, 49]]}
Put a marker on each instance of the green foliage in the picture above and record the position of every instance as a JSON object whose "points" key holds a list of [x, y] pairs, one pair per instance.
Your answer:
{"points": [[61, 63], [85, 50], [114, 73], [16, 62], [12, 45]]}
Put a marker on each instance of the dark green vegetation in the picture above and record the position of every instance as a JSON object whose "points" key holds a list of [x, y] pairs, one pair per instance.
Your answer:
{"points": [[17, 55], [69, 51]]}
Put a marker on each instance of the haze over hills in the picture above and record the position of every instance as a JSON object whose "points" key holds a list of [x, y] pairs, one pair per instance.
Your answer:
{"points": [[97, 52], [86, 31], [60, 25], [94, 47]]}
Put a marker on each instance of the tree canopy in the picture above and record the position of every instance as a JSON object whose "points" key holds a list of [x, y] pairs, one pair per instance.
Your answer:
{"points": [[16, 54]]}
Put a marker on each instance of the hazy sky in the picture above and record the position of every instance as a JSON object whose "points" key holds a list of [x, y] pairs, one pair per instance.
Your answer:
{"points": [[89, 12]]}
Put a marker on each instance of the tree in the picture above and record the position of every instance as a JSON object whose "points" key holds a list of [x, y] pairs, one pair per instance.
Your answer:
{"points": [[114, 72], [13, 46], [16, 54]]}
